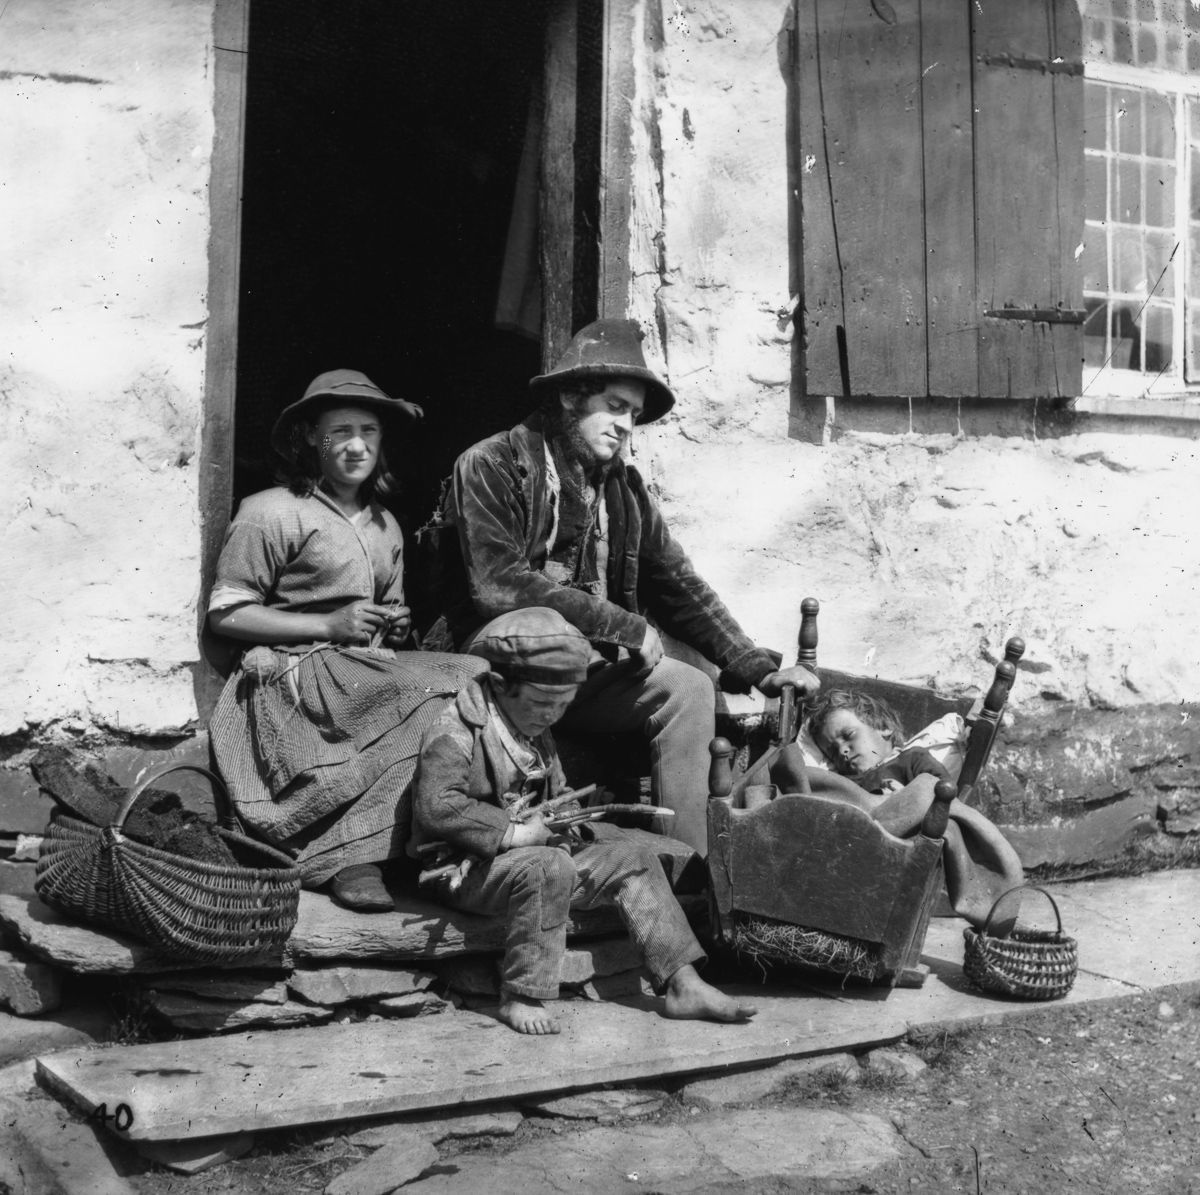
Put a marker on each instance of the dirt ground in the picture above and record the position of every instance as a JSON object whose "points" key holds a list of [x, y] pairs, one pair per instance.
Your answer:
{"points": [[1097, 1098], [1101, 1098]]}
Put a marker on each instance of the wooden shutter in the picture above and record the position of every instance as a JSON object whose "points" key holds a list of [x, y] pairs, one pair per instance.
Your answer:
{"points": [[941, 165]]}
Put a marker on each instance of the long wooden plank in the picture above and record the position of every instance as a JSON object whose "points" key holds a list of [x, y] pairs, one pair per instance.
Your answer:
{"points": [[948, 140], [1028, 133], [863, 241], [820, 312], [253, 1081]]}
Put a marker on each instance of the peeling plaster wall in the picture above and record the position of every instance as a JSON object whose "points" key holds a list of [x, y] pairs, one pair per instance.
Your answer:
{"points": [[106, 136], [927, 552]]}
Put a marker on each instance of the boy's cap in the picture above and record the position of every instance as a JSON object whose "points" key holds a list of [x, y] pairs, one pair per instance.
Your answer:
{"points": [[535, 644]]}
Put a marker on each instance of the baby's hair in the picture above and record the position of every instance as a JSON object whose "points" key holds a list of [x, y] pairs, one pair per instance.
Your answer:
{"points": [[869, 710]]}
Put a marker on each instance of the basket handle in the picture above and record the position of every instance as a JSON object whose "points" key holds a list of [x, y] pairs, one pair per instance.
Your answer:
{"points": [[987, 925], [223, 812]]}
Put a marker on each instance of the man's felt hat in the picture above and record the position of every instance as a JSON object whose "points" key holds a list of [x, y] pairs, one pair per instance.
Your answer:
{"points": [[346, 386], [534, 644], [608, 348]]}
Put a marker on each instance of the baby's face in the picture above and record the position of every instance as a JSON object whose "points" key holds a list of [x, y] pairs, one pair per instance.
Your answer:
{"points": [[851, 745]]}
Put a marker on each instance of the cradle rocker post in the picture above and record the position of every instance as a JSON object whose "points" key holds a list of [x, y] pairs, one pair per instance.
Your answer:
{"points": [[810, 881]]}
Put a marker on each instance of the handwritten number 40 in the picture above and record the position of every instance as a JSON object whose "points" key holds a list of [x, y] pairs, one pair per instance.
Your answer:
{"points": [[121, 1116]]}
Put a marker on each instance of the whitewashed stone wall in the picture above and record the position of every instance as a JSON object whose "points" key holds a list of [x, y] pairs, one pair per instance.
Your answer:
{"points": [[106, 137], [927, 551]]}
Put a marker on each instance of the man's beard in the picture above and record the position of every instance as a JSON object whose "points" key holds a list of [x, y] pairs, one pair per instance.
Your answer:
{"points": [[562, 427]]}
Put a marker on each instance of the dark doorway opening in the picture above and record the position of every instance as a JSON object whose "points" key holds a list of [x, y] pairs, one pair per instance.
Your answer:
{"points": [[382, 149]]}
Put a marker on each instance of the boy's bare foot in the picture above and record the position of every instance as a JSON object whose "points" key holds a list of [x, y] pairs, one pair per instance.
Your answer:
{"points": [[526, 1015], [690, 998]]}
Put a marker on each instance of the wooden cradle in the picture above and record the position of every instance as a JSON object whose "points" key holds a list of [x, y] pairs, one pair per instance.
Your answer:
{"points": [[811, 880]]}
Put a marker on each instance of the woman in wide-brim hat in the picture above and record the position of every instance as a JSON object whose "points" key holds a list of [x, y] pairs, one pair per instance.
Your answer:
{"points": [[316, 733], [294, 435]]}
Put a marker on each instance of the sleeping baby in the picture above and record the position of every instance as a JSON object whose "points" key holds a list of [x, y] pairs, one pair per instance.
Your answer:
{"points": [[860, 736]]}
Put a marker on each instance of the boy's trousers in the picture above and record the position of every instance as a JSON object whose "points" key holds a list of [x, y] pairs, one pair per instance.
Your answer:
{"points": [[535, 888]]}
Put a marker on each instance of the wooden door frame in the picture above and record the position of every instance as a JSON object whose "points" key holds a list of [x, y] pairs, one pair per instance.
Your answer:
{"points": [[558, 215], [617, 157], [230, 25], [559, 201]]}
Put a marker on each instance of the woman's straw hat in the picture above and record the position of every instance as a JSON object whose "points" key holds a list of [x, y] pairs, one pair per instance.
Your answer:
{"points": [[346, 386]]}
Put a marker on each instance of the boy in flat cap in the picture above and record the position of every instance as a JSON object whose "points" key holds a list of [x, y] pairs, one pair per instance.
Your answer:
{"points": [[549, 514], [487, 767]]}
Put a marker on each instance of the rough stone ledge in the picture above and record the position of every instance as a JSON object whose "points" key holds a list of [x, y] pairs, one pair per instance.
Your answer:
{"points": [[1067, 760]]}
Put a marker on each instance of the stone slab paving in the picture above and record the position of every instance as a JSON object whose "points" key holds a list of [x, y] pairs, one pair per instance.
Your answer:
{"points": [[1143, 931], [65, 1156], [23, 1037], [251, 1081], [719, 1151], [1134, 934]]}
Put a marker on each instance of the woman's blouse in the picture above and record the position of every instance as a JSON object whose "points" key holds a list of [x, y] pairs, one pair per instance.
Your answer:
{"points": [[302, 554]]}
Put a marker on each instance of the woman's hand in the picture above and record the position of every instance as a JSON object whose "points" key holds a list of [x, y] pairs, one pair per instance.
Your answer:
{"points": [[356, 622], [399, 626]]}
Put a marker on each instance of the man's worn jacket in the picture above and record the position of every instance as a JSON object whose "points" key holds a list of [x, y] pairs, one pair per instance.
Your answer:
{"points": [[501, 505]]}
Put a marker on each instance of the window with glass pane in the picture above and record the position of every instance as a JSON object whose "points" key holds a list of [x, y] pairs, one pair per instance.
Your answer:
{"points": [[1141, 251]]}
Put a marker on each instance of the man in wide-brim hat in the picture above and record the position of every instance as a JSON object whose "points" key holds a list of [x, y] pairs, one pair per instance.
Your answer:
{"points": [[550, 514]]}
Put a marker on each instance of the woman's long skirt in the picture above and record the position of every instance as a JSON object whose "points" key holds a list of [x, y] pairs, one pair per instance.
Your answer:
{"points": [[318, 748]]}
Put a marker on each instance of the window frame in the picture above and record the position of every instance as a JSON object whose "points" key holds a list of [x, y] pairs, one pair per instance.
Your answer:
{"points": [[1179, 399]]}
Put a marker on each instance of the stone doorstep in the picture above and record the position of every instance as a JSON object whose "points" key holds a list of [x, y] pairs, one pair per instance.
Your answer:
{"points": [[418, 932], [198, 1015], [1098, 912], [344, 983], [421, 932], [28, 986], [262, 987]]}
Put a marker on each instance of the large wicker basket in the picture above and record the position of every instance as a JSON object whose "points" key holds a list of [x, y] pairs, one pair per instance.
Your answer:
{"points": [[1027, 964], [186, 909]]}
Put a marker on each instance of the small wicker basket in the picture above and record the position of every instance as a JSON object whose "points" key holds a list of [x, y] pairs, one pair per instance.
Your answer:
{"points": [[186, 909], [1027, 964]]}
